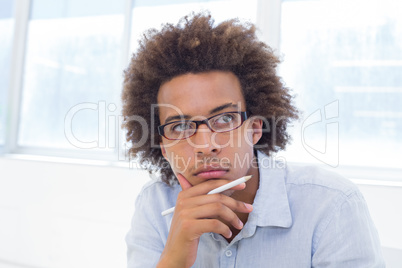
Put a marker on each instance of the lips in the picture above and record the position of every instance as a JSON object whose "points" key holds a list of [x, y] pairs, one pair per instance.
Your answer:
{"points": [[211, 172]]}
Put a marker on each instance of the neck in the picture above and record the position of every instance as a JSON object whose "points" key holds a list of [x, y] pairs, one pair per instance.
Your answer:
{"points": [[247, 195]]}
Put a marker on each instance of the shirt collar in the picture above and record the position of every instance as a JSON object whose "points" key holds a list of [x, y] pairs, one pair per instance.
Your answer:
{"points": [[271, 204]]}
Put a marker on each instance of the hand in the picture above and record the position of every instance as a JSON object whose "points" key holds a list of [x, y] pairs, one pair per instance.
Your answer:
{"points": [[197, 213]]}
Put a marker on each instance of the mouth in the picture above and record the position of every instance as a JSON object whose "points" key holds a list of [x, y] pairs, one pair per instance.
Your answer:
{"points": [[211, 173]]}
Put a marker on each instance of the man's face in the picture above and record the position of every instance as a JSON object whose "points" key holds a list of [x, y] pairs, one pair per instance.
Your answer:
{"points": [[208, 155]]}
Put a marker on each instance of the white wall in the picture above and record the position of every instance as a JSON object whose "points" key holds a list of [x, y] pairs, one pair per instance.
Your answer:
{"points": [[65, 215], [70, 215]]}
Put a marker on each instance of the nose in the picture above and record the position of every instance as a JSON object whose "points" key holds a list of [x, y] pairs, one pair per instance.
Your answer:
{"points": [[203, 142]]}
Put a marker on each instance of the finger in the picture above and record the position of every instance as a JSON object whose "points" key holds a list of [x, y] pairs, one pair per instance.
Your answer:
{"points": [[184, 183], [216, 211], [233, 204], [200, 227]]}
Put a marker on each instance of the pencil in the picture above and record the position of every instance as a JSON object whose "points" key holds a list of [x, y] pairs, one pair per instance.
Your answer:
{"points": [[215, 191]]}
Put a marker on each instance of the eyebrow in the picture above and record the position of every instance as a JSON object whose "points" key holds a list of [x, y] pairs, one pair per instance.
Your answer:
{"points": [[214, 110], [222, 107]]}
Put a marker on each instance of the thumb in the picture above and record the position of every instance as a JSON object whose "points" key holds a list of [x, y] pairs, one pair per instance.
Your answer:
{"points": [[184, 183]]}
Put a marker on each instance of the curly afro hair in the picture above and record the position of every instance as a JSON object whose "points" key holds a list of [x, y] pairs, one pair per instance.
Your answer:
{"points": [[196, 45]]}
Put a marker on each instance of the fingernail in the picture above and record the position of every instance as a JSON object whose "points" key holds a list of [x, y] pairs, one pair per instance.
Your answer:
{"points": [[248, 206], [230, 234], [240, 224], [243, 185]]}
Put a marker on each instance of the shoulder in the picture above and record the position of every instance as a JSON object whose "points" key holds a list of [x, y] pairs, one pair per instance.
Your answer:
{"points": [[156, 186], [156, 193], [317, 177], [297, 176], [319, 193]]}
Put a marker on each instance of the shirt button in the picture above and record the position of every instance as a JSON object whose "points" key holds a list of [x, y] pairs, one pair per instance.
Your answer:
{"points": [[228, 253]]}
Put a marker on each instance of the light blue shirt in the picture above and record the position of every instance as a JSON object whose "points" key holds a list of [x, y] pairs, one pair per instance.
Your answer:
{"points": [[302, 217]]}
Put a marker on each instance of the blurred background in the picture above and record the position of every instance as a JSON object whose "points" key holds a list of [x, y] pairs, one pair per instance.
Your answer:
{"points": [[67, 188]]}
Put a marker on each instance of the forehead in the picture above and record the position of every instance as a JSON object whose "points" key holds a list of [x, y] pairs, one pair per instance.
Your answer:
{"points": [[199, 94]]}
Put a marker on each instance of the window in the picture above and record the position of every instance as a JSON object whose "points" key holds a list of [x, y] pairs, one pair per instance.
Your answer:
{"points": [[341, 58], [6, 41], [344, 61], [72, 73]]}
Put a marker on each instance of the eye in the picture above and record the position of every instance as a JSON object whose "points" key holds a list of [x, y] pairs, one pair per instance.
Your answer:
{"points": [[225, 119], [180, 126]]}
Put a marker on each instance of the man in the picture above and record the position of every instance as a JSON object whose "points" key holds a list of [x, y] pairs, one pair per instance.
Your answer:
{"points": [[221, 111]]}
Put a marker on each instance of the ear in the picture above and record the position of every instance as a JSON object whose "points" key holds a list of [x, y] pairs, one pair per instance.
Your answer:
{"points": [[257, 130]]}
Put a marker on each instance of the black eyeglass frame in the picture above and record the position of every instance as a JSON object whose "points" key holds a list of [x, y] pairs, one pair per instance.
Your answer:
{"points": [[243, 117]]}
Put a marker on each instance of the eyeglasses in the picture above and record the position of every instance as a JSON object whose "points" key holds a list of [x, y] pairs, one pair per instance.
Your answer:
{"points": [[224, 122]]}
